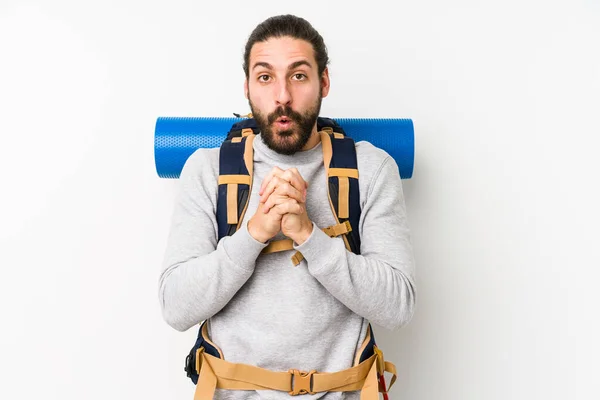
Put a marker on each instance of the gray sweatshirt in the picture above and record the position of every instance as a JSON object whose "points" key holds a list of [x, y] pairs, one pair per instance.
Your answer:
{"points": [[264, 311]]}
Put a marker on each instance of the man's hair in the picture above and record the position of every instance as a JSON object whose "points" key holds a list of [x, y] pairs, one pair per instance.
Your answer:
{"points": [[292, 26]]}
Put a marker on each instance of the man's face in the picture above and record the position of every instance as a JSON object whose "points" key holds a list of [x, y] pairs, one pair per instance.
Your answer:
{"points": [[284, 90]]}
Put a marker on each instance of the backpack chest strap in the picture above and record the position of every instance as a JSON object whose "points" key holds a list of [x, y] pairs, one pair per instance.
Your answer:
{"points": [[288, 244]]}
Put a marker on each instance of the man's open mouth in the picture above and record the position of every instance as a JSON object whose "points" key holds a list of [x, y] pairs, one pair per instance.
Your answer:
{"points": [[283, 122]]}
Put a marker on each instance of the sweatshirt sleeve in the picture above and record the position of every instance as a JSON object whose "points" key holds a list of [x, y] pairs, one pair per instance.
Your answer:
{"points": [[378, 284], [200, 276]]}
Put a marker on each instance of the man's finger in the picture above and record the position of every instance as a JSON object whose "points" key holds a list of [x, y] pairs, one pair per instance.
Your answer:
{"points": [[273, 183], [274, 200], [286, 189], [282, 193], [290, 206], [275, 171], [293, 176]]}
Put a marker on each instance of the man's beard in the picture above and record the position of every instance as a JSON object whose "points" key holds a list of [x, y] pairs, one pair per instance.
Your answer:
{"points": [[288, 141]]}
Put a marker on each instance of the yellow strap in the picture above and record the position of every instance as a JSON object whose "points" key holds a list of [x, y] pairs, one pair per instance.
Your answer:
{"points": [[207, 381], [288, 244], [278, 245], [343, 197], [232, 200], [348, 172], [297, 258], [249, 154], [239, 179], [246, 132], [338, 135], [370, 390], [339, 229], [218, 373], [237, 139], [391, 368]]}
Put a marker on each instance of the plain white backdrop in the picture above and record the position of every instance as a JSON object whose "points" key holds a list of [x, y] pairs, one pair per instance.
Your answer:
{"points": [[503, 203]]}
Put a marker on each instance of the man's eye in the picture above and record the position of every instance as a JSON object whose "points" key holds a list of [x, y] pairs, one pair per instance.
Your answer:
{"points": [[264, 78], [299, 77]]}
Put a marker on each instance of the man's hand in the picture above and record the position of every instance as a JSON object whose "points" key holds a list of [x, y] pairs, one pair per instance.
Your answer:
{"points": [[284, 193], [264, 226]]}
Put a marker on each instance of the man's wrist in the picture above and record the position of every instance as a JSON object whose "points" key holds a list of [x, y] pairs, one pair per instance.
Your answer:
{"points": [[254, 234], [304, 234]]}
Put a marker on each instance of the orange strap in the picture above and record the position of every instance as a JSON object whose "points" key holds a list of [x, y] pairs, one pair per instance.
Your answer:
{"points": [[217, 373], [339, 229], [288, 244], [278, 245], [232, 209]]}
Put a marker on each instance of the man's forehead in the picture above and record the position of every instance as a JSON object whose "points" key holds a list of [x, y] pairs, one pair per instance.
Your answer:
{"points": [[282, 52]]}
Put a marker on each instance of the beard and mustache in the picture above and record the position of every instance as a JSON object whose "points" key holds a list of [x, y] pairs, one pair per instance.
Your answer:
{"points": [[292, 140]]}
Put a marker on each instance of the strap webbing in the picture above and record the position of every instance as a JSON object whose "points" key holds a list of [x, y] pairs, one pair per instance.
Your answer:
{"points": [[237, 179], [343, 197], [278, 245], [218, 373], [367, 376], [288, 244], [347, 172], [232, 201]]}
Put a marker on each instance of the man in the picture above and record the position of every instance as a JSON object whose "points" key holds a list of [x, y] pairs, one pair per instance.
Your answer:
{"points": [[262, 310]]}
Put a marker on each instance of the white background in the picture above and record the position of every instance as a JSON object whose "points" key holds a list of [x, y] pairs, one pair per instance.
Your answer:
{"points": [[503, 204]]}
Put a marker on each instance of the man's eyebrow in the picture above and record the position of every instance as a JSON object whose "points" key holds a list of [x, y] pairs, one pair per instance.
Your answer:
{"points": [[293, 65], [299, 63], [262, 64]]}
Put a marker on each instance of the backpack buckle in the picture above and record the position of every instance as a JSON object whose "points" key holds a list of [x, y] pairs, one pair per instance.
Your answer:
{"points": [[302, 382], [193, 362]]}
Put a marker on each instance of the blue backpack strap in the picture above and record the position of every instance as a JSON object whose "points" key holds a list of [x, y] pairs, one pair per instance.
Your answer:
{"points": [[235, 181], [208, 346], [239, 128], [341, 165]]}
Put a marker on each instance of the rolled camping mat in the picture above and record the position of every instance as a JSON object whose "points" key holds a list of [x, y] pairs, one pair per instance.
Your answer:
{"points": [[176, 138]]}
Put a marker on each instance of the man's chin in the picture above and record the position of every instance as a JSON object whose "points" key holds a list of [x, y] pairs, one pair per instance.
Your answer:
{"points": [[285, 134]]}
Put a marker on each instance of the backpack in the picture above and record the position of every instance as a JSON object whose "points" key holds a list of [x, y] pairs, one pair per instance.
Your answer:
{"points": [[235, 184]]}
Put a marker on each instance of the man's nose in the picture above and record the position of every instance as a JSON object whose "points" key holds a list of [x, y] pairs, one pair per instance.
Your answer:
{"points": [[283, 95]]}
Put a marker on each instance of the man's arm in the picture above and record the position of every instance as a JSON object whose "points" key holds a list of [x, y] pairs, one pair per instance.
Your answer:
{"points": [[200, 276], [379, 283]]}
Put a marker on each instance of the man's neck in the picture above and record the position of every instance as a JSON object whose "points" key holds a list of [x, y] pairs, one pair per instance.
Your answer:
{"points": [[315, 139]]}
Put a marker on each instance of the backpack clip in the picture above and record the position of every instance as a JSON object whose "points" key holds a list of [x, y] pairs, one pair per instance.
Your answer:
{"points": [[249, 115]]}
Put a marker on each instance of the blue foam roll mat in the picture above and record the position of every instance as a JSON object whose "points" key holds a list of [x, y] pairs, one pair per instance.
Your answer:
{"points": [[176, 138]]}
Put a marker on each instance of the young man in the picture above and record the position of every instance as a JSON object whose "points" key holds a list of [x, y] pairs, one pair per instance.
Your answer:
{"points": [[262, 310]]}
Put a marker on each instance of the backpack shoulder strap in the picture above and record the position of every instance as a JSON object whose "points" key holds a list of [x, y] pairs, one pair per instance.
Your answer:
{"points": [[236, 176], [341, 166], [235, 180], [243, 128]]}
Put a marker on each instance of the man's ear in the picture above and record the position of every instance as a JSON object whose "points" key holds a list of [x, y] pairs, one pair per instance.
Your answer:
{"points": [[325, 82], [246, 88]]}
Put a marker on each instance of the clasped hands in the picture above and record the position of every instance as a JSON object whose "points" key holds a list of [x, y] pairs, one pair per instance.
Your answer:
{"points": [[281, 208]]}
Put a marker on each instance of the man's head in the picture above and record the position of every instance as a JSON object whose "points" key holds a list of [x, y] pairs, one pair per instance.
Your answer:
{"points": [[285, 63]]}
